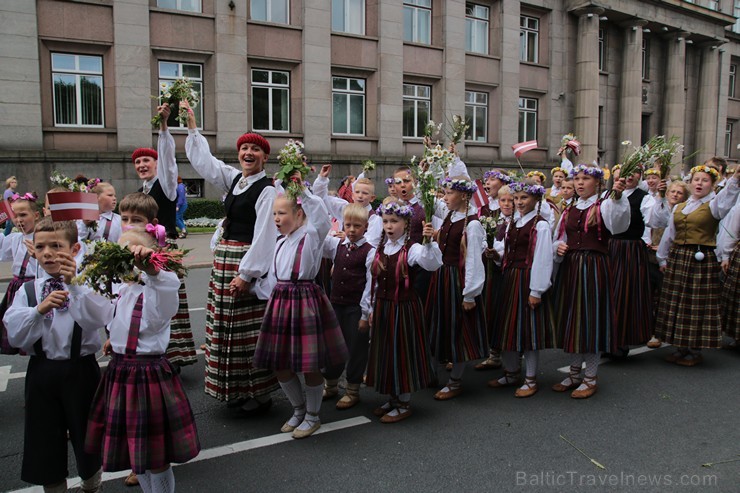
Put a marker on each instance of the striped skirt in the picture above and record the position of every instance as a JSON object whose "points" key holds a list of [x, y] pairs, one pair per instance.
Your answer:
{"points": [[140, 417], [399, 360], [232, 328], [13, 286], [300, 331], [688, 310], [581, 304], [633, 292], [181, 349], [493, 308], [455, 335], [523, 329], [731, 296]]}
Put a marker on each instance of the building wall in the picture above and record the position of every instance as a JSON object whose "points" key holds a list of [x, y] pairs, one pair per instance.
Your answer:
{"points": [[133, 36]]}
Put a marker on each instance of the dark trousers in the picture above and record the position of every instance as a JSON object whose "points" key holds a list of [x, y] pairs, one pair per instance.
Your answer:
{"points": [[58, 399], [357, 342]]}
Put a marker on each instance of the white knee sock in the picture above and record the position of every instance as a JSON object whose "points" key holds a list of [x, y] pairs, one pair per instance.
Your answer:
{"points": [[314, 396], [162, 482], [294, 391], [531, 359], [145, 482], [457, 371], [575, 370]]}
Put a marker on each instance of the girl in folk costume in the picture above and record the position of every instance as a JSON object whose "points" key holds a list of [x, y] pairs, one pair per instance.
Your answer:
{"points": [[730, 255], [243, 255], [652, 180], [689, 307], [399, 361], [108, 226], [537, 176], [558, 176], [158, 172], [300, 332], [581, 306], [454, 311], [547, 211], [14, 247], [527, 263], [501, 216], [628, 254], [140, 417]]}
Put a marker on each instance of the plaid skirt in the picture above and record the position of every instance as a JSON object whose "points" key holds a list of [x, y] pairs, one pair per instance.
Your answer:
{"points": [[140, 417], [523, 329], [455, 335], [232, 328], [580, 304], [633, 292], [399, 360], [493, 308], [300, 331], [688, 310], [730, 296], [181, 349], [13, 286]]}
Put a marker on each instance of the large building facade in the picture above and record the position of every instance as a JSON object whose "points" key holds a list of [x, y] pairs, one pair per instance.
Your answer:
{"points": [[357, 79]]}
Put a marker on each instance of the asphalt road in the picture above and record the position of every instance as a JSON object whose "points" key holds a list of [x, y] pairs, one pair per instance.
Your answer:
{"points": [[651, 425]]}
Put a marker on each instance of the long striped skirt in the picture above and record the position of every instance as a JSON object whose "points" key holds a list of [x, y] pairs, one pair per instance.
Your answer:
{"points": [[581, 304], [181, 349], [524, 329], [633, 292], [455, 335], [731, 296], [493, 307], [399, 360], [232, 328], [140, 417], [688, 310], [300, 331], [13, 286]]}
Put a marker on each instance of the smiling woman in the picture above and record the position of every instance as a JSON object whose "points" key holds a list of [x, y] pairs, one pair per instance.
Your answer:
{"points": [[234, 312]]}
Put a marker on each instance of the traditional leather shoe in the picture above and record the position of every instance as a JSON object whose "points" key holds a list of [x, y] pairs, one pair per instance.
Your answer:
{"points": [[331, 390], [350, 398], [675, 356], [512, 378], [131, 480], [654, 343], [489, 363], [380, 411], [453, 390], [402, 412], [590, 389], [690, 360], [530, 390], [298, 433], [237, 403], [255, 408]]}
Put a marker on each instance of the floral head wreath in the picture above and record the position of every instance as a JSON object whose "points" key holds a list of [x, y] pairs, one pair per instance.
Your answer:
{"points": [[652, 171], [616, 167], [538, 174], [519, 186], [497, 175], [395, 209], [390, 181], [706, 169], [29, 196], [589, 170], [465, 186], [557, 169]]}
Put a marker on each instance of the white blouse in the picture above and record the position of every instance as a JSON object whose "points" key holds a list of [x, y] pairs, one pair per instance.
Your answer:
{"points": [[728, 240], [114, 234], [475, 272], [166, 166], [330, 251], [12, 248], [427, 256], [542, 261]]}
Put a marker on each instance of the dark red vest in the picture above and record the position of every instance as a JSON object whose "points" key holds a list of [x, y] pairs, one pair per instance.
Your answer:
{"points": [[450, 235], [387, 280], [348, 276], [517, 245], [579, 239], [416, 227]]}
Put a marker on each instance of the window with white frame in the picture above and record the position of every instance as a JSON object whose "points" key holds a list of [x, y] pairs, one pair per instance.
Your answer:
{"points": [[417, 21], [348, 16], [736, 13], [476, 28], [193, 187], [529, 39], [645, 58], [277, 11], [348, 106], [78, 90], [602, 49], [171, 71], [728, 139], [733, 79], [527, 119], [186, 5], [713, 4], [476, 116], [417, 107], [270, 100]]}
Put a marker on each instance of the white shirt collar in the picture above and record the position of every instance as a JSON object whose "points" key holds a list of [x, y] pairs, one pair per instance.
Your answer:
{"points": [[253, 178], [527, 217], [586, 203], [107, 215], [398, 242], [702, 200], [148, 184], [359, 242]]}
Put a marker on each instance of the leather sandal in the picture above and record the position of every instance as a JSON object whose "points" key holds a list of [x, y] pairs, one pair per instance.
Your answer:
{"points": [[512, 378], [131, 479], [350, 398], [488, 364], [403, 411], [331, 389], [575, 382], [675, 356], [530, 390], [454, 388], [690, 360], [298, 433], [387, 407], [654, 343], [590, 389]]}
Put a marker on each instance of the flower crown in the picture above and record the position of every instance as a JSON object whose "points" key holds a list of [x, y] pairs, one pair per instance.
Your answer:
{"points": [[539, 174], [558, 169], [395, 209], [652, 171], [465, 186], [393, 181], [589, 170], [706, 169], [616, 167], [519, 186], [497, 175]]}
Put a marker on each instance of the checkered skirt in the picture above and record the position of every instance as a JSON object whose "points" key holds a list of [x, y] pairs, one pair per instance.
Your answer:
{"points": [[633, 300], [181, 348], [140, 417], [689, 307], [300, 331], [13, 286], [731, 296], [232, 328]]}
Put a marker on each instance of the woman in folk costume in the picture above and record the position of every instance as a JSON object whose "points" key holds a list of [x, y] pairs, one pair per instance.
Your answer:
{"points": [[454, 311], [730, 255], [689, 307], [234, 310], [581, 305], [158, 171]]}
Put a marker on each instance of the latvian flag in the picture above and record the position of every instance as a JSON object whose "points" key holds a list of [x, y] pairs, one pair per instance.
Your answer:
{"points": [[479, 197], [6, 211], [68, 206], [523, 147]]}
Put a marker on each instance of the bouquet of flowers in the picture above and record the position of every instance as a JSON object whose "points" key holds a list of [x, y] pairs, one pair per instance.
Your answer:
{"points": [[569, 142], [490, 226], [662, 152], [459, 128], [634, 160], [368, 165], [108, 263], [292, 160], [59, 180], [172, 94], [430, 170]]}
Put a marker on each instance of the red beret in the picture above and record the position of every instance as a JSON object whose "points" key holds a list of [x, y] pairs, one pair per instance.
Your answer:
{"points": [[143, 151], [252, 138]]}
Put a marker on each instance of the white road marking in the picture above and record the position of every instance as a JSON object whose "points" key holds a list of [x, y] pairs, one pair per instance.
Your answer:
{"points": [[223, 450], [196, 309], [633, 352]]}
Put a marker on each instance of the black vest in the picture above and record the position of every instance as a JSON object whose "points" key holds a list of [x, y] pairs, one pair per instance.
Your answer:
{"points": [[241, 212], [167, 209], [637, 225]]}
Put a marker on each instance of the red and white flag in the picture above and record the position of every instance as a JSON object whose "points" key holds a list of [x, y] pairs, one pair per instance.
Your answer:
{"points": [[68, 206], [479, 197], [6, 211], [523, 147]]}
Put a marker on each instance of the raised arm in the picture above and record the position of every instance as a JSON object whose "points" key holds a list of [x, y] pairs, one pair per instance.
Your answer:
{"points": [[166, 163], [256, 262]]}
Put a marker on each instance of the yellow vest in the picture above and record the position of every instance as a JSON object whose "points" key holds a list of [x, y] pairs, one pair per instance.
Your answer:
{"points": [[697, 228]]}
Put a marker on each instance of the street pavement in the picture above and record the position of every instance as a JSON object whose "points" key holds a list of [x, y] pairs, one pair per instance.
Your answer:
{"points": [[652, 426]]}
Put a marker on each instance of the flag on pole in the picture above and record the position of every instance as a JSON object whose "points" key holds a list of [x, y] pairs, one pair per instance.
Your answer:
{"points": [[523, 147], [68, 206], [479, 197], [6, 211]]}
